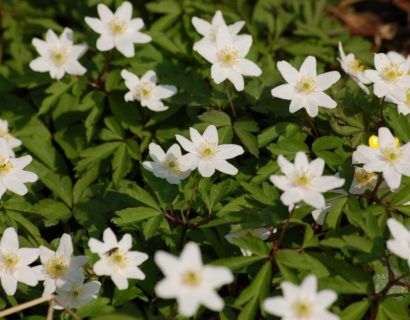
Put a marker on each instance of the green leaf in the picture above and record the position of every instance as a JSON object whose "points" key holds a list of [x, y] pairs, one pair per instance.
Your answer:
{"points": [[218, 118], [356, 311], [237, 263], [248, 139], [133, 215], [327, 143], [120, 163], [401, 197]]}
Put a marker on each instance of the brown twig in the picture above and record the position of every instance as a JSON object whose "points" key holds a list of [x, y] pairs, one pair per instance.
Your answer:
{"points": [[285, 227]]}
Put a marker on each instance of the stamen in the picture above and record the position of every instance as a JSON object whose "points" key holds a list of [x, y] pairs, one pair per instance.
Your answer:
{"points": [[392, 73], [56, 267], [228, 56], [117, 26], [355, 66], [192, 278], [307, 84], [9, 262]]}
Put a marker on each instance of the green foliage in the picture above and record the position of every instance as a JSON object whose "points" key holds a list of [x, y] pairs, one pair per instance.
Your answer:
{"points": [[88, 146]]}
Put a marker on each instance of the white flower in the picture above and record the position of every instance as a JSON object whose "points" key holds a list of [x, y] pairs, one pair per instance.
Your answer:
{"points": [[209, 30], [189, 281], [205, 153], [12, 142], [402, 100], [304, 87], [227, 56], [116, 259], [118, 29], [363, 180], [58, 267], [166, 165], [390, 76], [304, 181], [12, 175], [14, 262], [400, 244], [390, 158], [353, 68], [146, 91], [75, 293], [58, 55], [302, 302], [261, 233]]}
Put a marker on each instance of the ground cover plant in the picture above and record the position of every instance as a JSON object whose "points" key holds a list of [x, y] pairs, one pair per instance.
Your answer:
{"points": [[215, 160]]}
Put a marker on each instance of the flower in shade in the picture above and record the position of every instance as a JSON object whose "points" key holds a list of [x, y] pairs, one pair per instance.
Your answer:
{"points": [[390, 76], [116, 259], [12, 175], [189, 281], [209, 30], [304, 181], [363, 180], [59, 266], [205, 154], [227, 56], [352, 66], [74, 294], [319, 215], [146, 90], [302, 302], [12, 142], [15, 261], [166, 165], [118, 29], [261, 233], [402, 100], [400, 244], [305, 88], [390, 158], [58, 55]]}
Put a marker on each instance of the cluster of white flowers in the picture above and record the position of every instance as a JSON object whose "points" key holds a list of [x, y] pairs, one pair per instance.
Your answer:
{"points": [[12, 175], [204, 154]]}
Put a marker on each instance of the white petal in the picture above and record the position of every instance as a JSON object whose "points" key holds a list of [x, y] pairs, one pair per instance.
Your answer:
{"points": [[213, 301], [210, 134], [206, 168], [249, 68], [9, 283], [51, 37], [168, 263], [218, 73], [309, 285], [41, 46], [166, 289], [281, 182], [290, 196], [120, 281], [9, 241], [386, 138], [164, 91], [276, 306], [317, 166], [243, 43], [187, 305], [124, 11], [126, 242], [284, 91], [191, 255], [326, 80], [105, 43], [105, 13], [40, 65], [201, 26], [28, 255], [96, 24], [73, 67], [323, 100], [156, 152], [392, 177], [217, 276], [229, 151], [237, 80], [325, 298], [313, 198], [297, 103], [109, 238], [150, 76], [327, 183], [308, 66], [288, 72], [224, 166], [27, 276], [209, 52], [125, 46], [186, 144], [223, 37]]}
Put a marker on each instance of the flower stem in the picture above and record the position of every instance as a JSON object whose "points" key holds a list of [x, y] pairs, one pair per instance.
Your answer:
{"points": [[285, 227], [381, 111], [228, 95], [193, 194], [312, 123]]}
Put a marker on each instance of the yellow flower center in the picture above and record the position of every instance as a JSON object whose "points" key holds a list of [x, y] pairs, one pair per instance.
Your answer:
{"points": [[56, 267], [5, 165], [208, 149], [228, 56], [3, 132], [9, 262], [302, 309], [355, 66], [392, 73], [192, 278], [118, 258], [307, 84], [374, 142], [76, 291], [364, 177], [117, 26], [59, 56], [408, 97], [144, 90], [171, 163], [392, 153], [302, 180]]}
